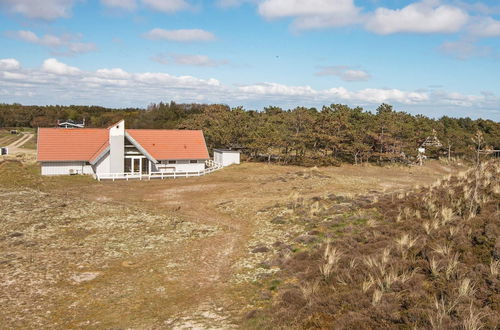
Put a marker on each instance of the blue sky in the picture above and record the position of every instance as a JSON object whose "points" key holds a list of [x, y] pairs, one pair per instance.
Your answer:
{"points": [[434, 57]]}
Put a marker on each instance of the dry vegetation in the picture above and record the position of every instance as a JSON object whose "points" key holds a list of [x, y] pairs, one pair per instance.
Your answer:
{"points": [[425, 258], [6, 138], [204, 252]]}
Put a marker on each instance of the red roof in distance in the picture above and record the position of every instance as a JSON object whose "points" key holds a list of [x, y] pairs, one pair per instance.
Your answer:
{"points": [[70, 144], [165, 144], [85, 144]]}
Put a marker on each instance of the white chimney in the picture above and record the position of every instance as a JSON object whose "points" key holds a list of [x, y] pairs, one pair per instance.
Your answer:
{"points": [[117, 147]]}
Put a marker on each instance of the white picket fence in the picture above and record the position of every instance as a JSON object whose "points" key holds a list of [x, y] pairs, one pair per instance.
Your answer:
{"points": [[211, 166]]}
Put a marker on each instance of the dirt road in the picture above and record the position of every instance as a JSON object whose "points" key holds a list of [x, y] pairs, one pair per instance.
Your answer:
{"points": [[17, 145]]}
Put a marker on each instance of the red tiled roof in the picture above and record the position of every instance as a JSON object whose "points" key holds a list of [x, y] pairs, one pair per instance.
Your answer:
{"points": [[71, 144], [171, 144], [86, 144]]}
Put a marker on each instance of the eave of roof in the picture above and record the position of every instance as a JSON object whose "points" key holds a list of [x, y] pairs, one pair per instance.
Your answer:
{"points": [[99, 154]]}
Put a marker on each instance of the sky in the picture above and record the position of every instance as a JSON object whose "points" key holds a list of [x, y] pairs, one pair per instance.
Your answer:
{"points": [[430, 57]]}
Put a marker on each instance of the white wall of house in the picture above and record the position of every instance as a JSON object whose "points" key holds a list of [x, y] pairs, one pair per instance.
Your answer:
{"points": [[226, 157], [180, 166], [103, 165], [65, 168]]}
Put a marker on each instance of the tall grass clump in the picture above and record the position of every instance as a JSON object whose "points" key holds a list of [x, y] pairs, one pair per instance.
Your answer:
{"points": [[425, 259]]}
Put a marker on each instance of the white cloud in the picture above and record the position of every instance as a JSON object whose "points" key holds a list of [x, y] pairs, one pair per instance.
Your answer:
{"points": [[464, 49], [65, 45], [116, 73], [463, 100], [59, 83], [374, 95], [345, 73], [278, 89], [186, 59], [42, 9], [14, 76], [289, 8], [183, 35], [47, 40], [167, 6], [486, 27], [51, 65], [122, 4], [8, 64], [370, 95], [427, 16], [311, 14], [422, 16], [81, 47]]}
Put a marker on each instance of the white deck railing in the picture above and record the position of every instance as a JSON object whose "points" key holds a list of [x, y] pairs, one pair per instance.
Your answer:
{"points": [[211, 167]]}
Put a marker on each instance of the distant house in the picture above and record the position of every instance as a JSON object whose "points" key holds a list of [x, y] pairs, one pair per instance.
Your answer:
{"points": [[120, 151], [70, 124]]}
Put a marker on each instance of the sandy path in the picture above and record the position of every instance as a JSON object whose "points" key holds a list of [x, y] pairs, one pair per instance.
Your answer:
{"points": [[16, 146]]}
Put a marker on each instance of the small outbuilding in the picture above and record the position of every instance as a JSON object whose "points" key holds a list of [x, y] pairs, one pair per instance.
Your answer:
{"points": [[226, 157]]}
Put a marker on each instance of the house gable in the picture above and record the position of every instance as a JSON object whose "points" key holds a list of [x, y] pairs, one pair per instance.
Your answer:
{"points": [[139, 147]]}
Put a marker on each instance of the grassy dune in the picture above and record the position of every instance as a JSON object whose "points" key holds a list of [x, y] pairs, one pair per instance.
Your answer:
{"points": [[424, 258]]}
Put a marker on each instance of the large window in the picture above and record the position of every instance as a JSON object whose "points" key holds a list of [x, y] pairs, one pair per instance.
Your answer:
{"points": [[172, 162], [136, 164], [130, 149], [193, 161]]}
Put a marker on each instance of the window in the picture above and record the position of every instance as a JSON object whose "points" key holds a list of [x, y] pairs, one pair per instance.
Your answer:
{"points": [[193, 161], [172, 162], [128, 165]]}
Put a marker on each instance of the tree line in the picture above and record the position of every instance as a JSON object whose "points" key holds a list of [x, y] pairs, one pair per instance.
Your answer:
{"points": [[306, 136]]}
